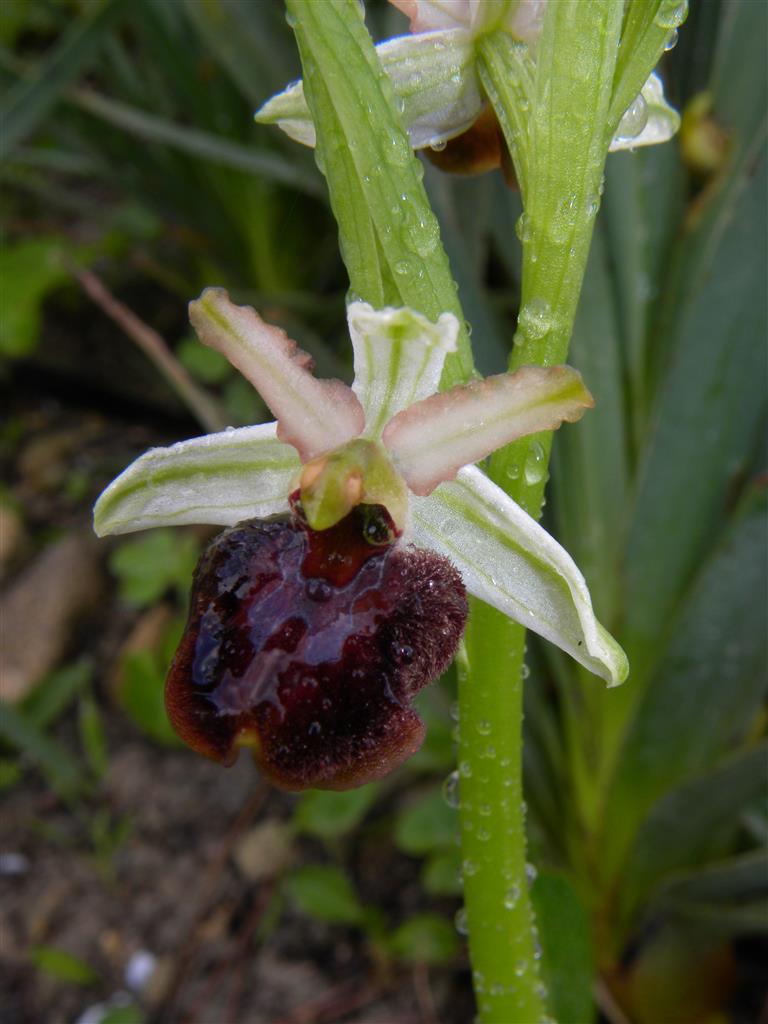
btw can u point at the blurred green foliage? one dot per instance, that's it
(325, 892)
(155, 563)
(329, 815)
(62, 965)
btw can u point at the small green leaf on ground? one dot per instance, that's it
(54, 694)
(425, 939)
(151, 565)
(204, 363)
(442, 873)
(142, 694)
(92, 735)
(327, 815)
(62, 965)
(325, 893)
(29, 271)
(62, 771)
(10, 773)
(430, 824)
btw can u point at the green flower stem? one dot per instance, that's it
(499, 918)
(560, 160)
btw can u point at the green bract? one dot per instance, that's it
(390, 439)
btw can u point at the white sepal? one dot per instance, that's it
(289, 111)
(431, 440)
(313, 415)
(219, 479)
(436, 83)
(399, 356)
(512, 563)
(649, 119)
(434, 79)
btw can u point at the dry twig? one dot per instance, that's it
(200, 404)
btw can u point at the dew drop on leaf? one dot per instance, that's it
(535, 466)
(671, 13)
(451, 790)
(511, 897)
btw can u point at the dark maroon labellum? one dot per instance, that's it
(309, 647)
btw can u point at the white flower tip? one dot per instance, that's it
(610, 657)
(289, 111)
(403, 324)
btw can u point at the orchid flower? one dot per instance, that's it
(434, 75)
(389, 462)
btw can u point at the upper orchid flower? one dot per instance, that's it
(308, 636)
(437, 86)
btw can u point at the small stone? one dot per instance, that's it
(12, 538)
(40, 608)
(265, 851)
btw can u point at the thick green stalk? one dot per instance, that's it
(561, 159)
(499, 918)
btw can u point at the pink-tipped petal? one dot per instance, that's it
(426, 15)
(430, 441)
(313, 415)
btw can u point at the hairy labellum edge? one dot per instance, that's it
(309, 646)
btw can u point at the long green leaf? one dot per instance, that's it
(694, 822)
(28, 102)
(643, 208)
(217, 149)
(60, 768)
(254, 47)
(699, 443)
(738, 880)
(709, 345)
(566, 947)
(55, 693)
(709, 685)
(590, 470)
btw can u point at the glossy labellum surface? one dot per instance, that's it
(308, 646)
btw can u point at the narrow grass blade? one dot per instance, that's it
(29, 101)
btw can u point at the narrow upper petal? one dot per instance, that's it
(313, 415)
(512, 563)
(426, 15)
(399, 356)
(220, 478)
(433, 439)
(434, 79)
(524, 20)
